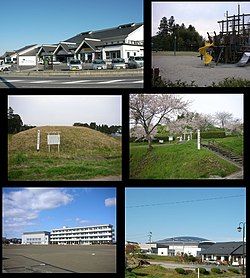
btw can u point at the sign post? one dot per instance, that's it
(54, 139)
(38, 140)
(198, 139)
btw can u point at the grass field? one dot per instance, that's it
(233, 144)
(156, 271)
(59, 258)
(84, 154)
(177, 161)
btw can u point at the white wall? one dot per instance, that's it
(162, 251)
(186, 249)
(44, 239)
(137, 35)
(27, 60)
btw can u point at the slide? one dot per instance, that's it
(244, 59)
(206, 57)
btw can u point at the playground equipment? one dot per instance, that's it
(232, 44)
(203, 51)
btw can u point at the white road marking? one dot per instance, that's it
(78, 81)
(15, 80)
(41, 81)
(139, 81)
(110, 81)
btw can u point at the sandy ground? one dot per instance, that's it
(59, 259)
(189, 68)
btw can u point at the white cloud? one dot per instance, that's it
(21, 207)
(81, 221)
(109, 202)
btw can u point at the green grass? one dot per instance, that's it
(233, 144)
(157, 271)
(32, 166)
(177, 161)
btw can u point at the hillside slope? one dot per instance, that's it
(84, 154)
(72, 139)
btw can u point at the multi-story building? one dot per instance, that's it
(98, 234)
(41, 237)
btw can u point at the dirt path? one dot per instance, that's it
(191, 68)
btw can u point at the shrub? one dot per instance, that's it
(216, 270)
(180, 270)
(211, 134)
(232, 82)
(234, 270)
(202, 271)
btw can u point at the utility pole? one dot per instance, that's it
(150, 239)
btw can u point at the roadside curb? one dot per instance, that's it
(75, 74)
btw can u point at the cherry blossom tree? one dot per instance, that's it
(150, 110)
(235, 125)
(223, 118)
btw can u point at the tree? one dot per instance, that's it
(92, 125)
(10, 113)
(15, 122)
(223, 118)
(150, 110)
(163, 27)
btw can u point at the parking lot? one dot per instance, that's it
(59, 259)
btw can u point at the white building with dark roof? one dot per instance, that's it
(122, 41)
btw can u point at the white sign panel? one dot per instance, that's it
(27, 60)
(53, 139)
(170, 138)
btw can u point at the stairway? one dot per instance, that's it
(227, 154)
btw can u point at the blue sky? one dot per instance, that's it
(36, 209)
(50, 21)
(215, 219)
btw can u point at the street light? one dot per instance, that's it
(243, 240)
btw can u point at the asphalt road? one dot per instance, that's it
(188, 266)
(71, 82)
(59, 259)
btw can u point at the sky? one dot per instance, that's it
(43, 209)
(202, 15)
(214, 219)
(28, 22)
(67, 110)
(212, 103)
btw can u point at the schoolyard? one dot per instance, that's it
(59, 258)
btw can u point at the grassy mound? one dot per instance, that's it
(177, 161)
(84, 153)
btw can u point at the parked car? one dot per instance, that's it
(75, 65)
(136, 62)
(4, 67)
(99, 64)
(212, 261)
(118, 63)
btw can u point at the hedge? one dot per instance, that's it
(210, 134)
(202, 271)
(234, 270)
(180, 270)
(216, 270)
